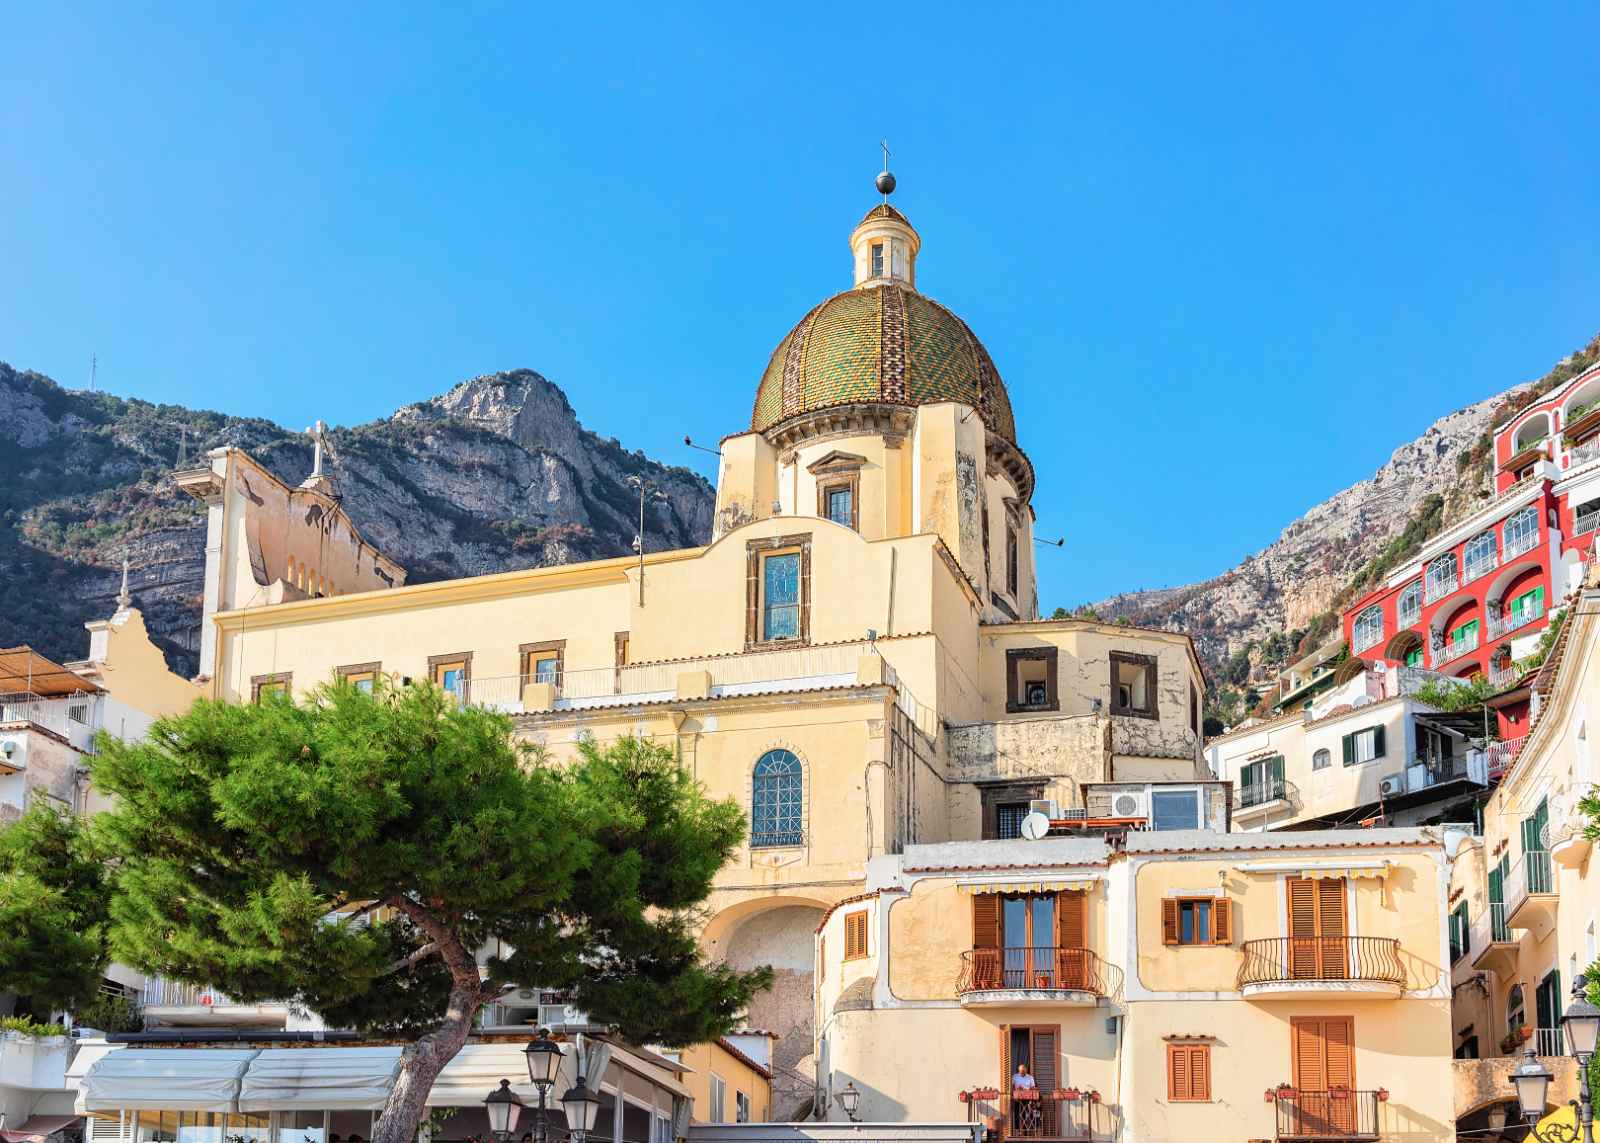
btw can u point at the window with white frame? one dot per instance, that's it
(1480, 556)
(1367, 630)
(741, 1107)
(1521, 531)
(1175, 809)
(1363, 745)
(1321, 760)
(1408, 610)
(1442, 579)
(715, 1113)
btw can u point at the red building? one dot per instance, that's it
(1478, 596)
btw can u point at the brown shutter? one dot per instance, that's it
(1302, 929)
(822, 959)
(1169, 921)
(986, 940)
(1331, 927)
(1310, 1055)
(1177, 1072)
(1200, 1070)
(1046, 1073)
(1072, 939)
(1222, 921)
(1338, 1035)
(855, 934)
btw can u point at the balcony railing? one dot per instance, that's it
(1585, 521)
(1262, 793)
(1549, 1042)
(1517, 618)
(1499, 930)
(1437, 587)
(1277, 960)
(1043, 969)
(1521, 542)
(1059, 1114)
(1456, 648)
(1584, 452)
(1532, 875)
(1320, 1115)
(1476, 566)
(1502, 754)
(159, 992)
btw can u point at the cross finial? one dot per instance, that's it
(316, 432)
(124, 600)
(884, 143)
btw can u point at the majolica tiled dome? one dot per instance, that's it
(884, 344)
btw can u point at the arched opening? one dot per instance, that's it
(1455, 633)
(1530, 433)
(1579, 405)
(1405, 648)
(779, 931)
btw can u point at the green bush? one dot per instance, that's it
(111, 1013)
(26, 1026)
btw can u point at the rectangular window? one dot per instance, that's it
(1008, 819)
(362, 676)
(451, 672)
(841, 506)
(855, 935)
(1414, 657)
(542, 662)
(1175, 809)
(276, 684)
(1031, 680)
(1363, 746)
(741, 1107)
(1261, 781)
(1015, 795)
(1189, 1073)
(1013, 575)
(1133, 684)
(716, 1113)
(778, 590)
(1527, 607)
(1458, 932)
(877, 259)
(1196, 921)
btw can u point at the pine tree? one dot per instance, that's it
(430, 834)
(52, 911)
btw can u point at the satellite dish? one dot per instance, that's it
(1035, 825)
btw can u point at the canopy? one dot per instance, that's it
(171, 1079)
(35, 1129)
(24, 670)
(337, 1079)
(1057, 885)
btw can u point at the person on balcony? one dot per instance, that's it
(1025, 1116)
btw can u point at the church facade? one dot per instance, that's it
(856, 656)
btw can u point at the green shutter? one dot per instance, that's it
(1275, 766)
(1377, 743)
(1414, 657)
(1349, 741)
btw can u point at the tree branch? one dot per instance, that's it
(411, 961)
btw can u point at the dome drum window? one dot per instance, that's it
(777, 800)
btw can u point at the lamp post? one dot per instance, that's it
(544, 1061)
(1531, 1079)
(505, 1108)
(850, 1100)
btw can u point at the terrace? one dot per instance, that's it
(1342, 965)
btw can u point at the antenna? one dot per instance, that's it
(1061, 543)
(94, 368)
(702, 448)
(647, 489)
(183, 445)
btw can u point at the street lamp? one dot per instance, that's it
(580, 1106)
(504, 1107)
(544, 1061)
(850, 1100)
(1581, 1023)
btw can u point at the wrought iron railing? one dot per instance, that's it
(1435, 588)
(1340, 1113)
(1502, 754)
(1279, 959)
(1499, 930)
(160, 992)
(1584, 452)
(1585, 521)
(1533, 874)
(1549, 1042)
(1455, 648)
(1060, 1114)
(1040, 969)
(1514, 619)
(1260, 793)
(1474, 566)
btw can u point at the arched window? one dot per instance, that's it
(1522, 531)
(1367, 628)
(1408, 611)
(1480, 555)
(777, 786)
(1442, 576)
(1321, 760)
(1515, 1018)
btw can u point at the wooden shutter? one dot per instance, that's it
(1310, 1054)
(1302, 929)
(1188, 1072)
(855, 934)
(1331, 928)
(1169, 921)
(986, 930)
(1222, 921)
(1177, 1072)
(1072, 939)
(1046, 1073)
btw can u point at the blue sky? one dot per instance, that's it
(1226, 258)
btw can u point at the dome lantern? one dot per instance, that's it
(885, 247)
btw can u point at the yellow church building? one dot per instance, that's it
(977, 838)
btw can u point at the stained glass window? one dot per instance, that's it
(780, 596)
(775, 800)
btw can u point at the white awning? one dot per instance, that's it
(1030, 885)
(172, 1079)
(1352, 869)
(335, 1079)
(478, 1069)
(89, 1053)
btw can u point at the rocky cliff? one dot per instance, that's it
(1285, 598)
(493, 475)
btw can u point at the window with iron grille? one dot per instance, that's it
(1008, 818)
(1522, 530)
(778, 784)
(1409, 609)
(1442, 578)
(1481, 555)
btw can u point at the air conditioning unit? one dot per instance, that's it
(526, 994)
(1128, 804)
(1392, 786)
(552, 1014)
(1045, 806)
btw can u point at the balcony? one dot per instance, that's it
(1437, 587)
(1586, 521)
(1263, 797)
(1448, 652)
(173, 1002)
(1516, 619)
(1022, 976)
(1584, 452)
(1531, 894)
(1324, 1115)
(1064, 1113)
(1500, 755)
(1346, 966)
(1477, 566)
(1524, 541)
(67, 717)
(1492, 946)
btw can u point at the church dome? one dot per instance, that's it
(881, 343)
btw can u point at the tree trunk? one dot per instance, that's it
(421, 1064)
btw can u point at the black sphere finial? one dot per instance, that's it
(885, 183)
